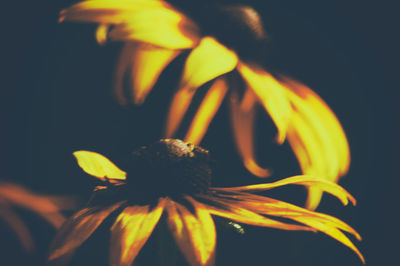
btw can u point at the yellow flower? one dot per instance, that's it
(155, 32)
(48, 207)
(174, 177)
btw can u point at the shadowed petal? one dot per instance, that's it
(131, 230)
(41, 205)
(194, 234)
(304, 180)
(16, 224)
(316, 137)
(271, 94)
(243, 129)
(206, 112)
(153, 22)
(78, 229)
(99, 166)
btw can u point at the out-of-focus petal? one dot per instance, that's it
(16, 224)
(209, 106)
(131, 230)
(78, 229)
(41, 205)
(316, 137)
(177, 110)
(233, 211)
(194, 234)
(145, 63)
(307, 181)
(242, 123)
(271, 94)
(210, 59)
(207, 61)
(101, 33)
(154, 22)
(99, 166)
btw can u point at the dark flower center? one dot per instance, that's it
(169, 167)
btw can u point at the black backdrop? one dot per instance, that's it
(56, 98)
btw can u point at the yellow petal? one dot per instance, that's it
(271, 94)
(78, 229)
(194, 234)
(207, 61)
(307, 181)
(131, 230)
(101, 33)
(145, 64)
(99, 166)
(153, 22)
(332, 232)
(206, 112)
(242, 122)
(177, 110)
(316, 137)
(17, 225)
(233, 211)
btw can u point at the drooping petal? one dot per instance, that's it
(206, 112)
(99, 166)
(231, 210)
(207, 61)
(145, 64)
(154, 22)
(316, 137)
(271, 94)
(210, 59)
(39, 204)
(242, 123)
(16, 224)
(304, 180)
(194, 234)
(78, 229)
(131, 230)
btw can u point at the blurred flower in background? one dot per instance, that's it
(174, 177)
(156, 32)
(48, 207)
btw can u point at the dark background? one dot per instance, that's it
(56, 98)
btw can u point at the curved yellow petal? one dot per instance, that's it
(317, 138)
(242, 123)
(207, 61)
(78, 229)
(99, 166)
(145, 64)
(101, 33)
(209, 106)
(154, 22)
(319, 221)
(194, 234)
(271, 94)
(131, 230)
(307, 181)
(233, 211)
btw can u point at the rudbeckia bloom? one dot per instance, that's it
(171, 179)
(48, 207)
(155, 33)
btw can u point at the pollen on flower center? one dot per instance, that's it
(169, 167)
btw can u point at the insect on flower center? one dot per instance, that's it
(170, 167)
